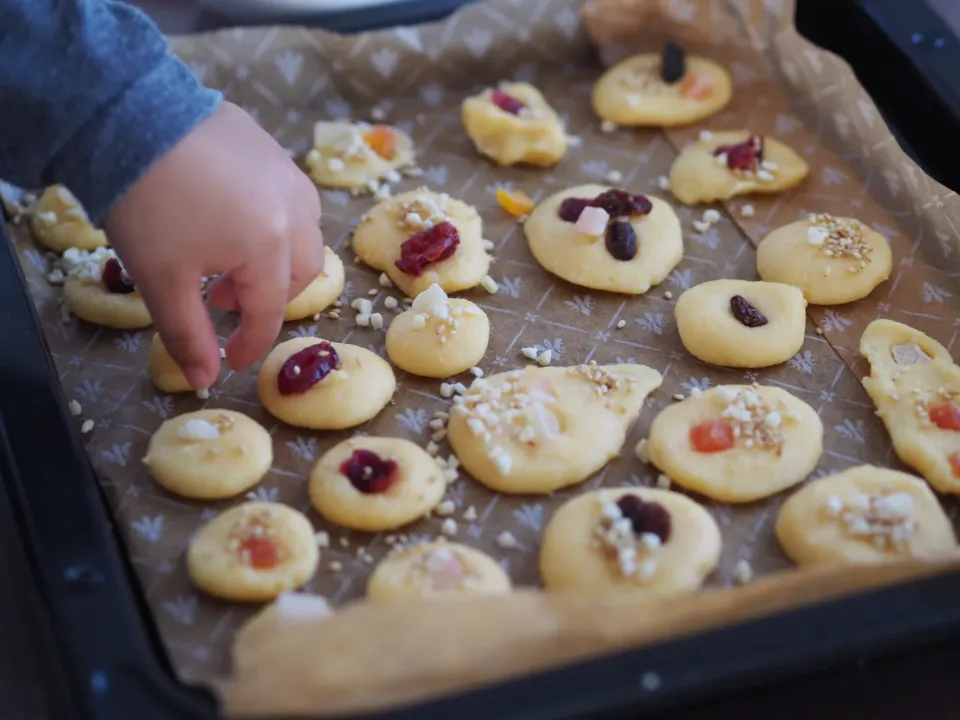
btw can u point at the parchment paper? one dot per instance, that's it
(289, 78)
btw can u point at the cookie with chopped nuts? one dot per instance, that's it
(539, 429)
(321, 292)
(375, 483)
(209, 454)
(741, 323)
(98, 290)
(422, 237)
(737, 443)
(621, 540)
(513, 124)
(253, 552)
(357, 156)
(311, 383)
(915, 386)
(721, 165)
(439, 336)
(437, 569)
(59, 222)
(605, 238)
(833, 260)
(864, 515)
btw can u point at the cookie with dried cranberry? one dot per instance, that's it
(420, 238)
(721, 165)
(321, 292)
(513, 124)
(357, 156)
(638, 540)
(59, 222)
(741, 323)
(605, 238)
(864, 514)
(737, 443)
(375, 483)
(436, 570)
(661, 90)
(311, 383)
(99, 291)
(253, 552)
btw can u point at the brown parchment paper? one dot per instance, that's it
(289, 78)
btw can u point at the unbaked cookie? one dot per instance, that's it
(209, 454)
(99, 291)
(661, 90)
(741, 323)
(916, 387)
(864, 515)
(438, 336)
(436, 570)
(833, 260)
(737, 443)
(253, 552)
(721, 165)
(59, 222)
(321, 292)
(513, 124)
(311, 383)
(629, 540)
(605, 238)
(376, 483)
(422, 237)
(163, 370)
(539, 429)
(357, 156)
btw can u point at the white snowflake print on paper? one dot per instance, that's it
(802, 361)
(303, 331)
(338, 109)
(582, 305)
(842, 123)
(602, 336)
(161, 405)
(751, 377)
(892, 180)
(597, 168)
(384, 61)
(36, 259)
(530, 516)
(556, 347)
(568, 20)
(826, 396)
(651, 322)
(183, 609)
(436, 174)
(683, 10)
(337, 197)
(264, 494)
(499, 360)
(625, 360)
(431, 94)
(475, 531)
(934, 293)
(414, 420)
(832, 176)
(90, 390)
(130, 342)
(852, 430)
(787, 124)
(682, 279)
(478, 41)
(709, 239)
(511, 286)
(208, 514)
(149, 528)
(288, 65)
(303, 448)
(531, 318)
(199, 70)
(835, 322)
(118, 454)
(693, 383)
(65, 331)
(868, 111)
(409, 36)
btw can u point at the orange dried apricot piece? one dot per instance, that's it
(262, 551)
(711, 436)
(515, 202)
(696, 87)
(945, 416)
(382, 140)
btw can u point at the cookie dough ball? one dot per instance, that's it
(513, 124)
(59, 222)
(311, 383)
(663, 90)
(209, 454)
(539, 429)
(737, 443)
(253, 552)
(164, 372)
(832, 260)
(321, 292)
(376, 483)
(356, 156)
(741, 323)
(637, 540)
(400, 235)
(99, 291)
(864, 515)
(289, 609)
(721, 165)
(438, 336)
(915, 386)
(624, 254)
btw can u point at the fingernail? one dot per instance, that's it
(198, 376)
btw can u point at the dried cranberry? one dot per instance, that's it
(115, 279)
(616, 203)
(744, 311)
(506, 102)
(672, 63)
(743, 156)
(368, 472)
(306, 368)
(571, 208)
(621, 240)
(646, 517)
(428, 246)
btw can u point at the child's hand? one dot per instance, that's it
(224, 200)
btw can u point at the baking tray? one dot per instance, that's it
(108, 663)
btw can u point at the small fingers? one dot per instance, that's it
(306, 251)
(221, 295)
(261, 290)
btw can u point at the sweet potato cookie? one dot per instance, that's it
(99, 291)
(59, 222)
(321, 292)
(357, 156)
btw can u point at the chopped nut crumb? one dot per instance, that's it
(748, 210)
(87, 426)
(372, 291)
(476, 372)
(663, 482)
(544, 358)
(641, 451)
(75, 408)
(376, 321)
(711, 216)
(336, 566)
(678, 396)
(490, 285)
(742, 572)
(663, 182)
(445, 509)
(390, 302)
(506, 540)
(449, 527)
(470, 514)
(754, 420)
(323, 539)
(203, 393)
(432, 448)
(446, 390)
(819, 331)
(838, 238)
(888, 521)
(607, 126)
(621, 324)
(530, 352)
(668, 295)
(385, 281)
(488, 245)
(614, 177)
(362, 320)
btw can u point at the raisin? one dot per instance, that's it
(672, 63)
(746, 313)
(616, 203)
(115, 279)
(646, 517)
(428, 246)
(571, 208)
(621, 240)
(506, 102)
(368, 472)
(306, 368)
(747, 155)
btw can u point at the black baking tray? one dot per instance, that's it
(107, 663)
